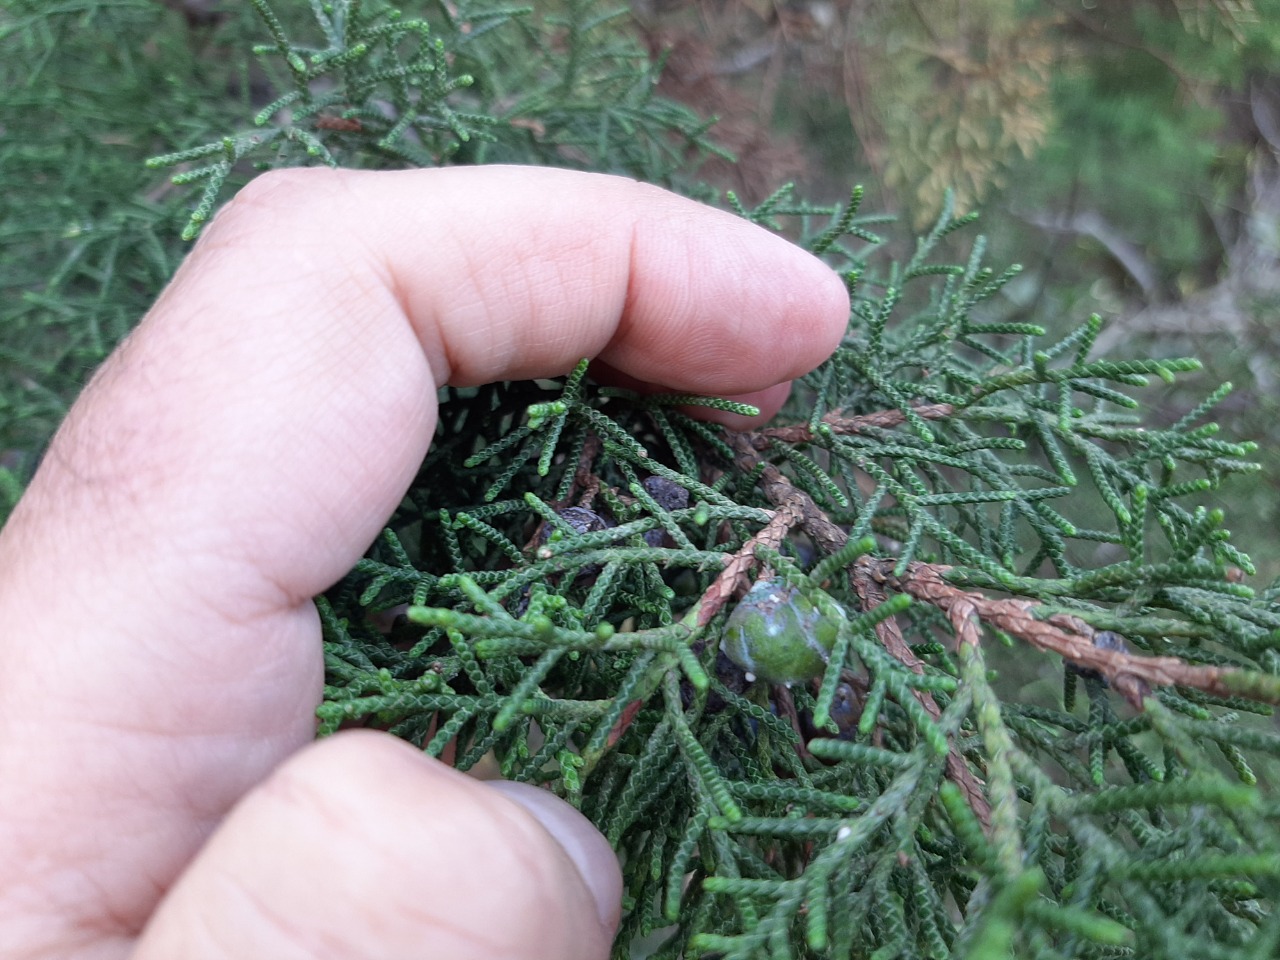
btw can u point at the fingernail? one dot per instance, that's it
(585, 845)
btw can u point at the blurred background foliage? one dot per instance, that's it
(1124, 152)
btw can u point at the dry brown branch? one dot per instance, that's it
(784, 494)
(1072, 639)
(583, 477)
(839, 423)
(871, 593)
(735, 569)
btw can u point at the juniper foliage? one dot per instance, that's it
(965, 505)
(942, 490)
(87, 239)
(476, 82)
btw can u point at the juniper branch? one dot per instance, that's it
(1074, 640)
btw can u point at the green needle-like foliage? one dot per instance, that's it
(1040, 724)
(364, 85)
(545, 611)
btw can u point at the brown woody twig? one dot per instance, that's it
(1132, 675)
(839, 423)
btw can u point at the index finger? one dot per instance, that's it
(246, 444)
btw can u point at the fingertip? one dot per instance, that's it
(724, 306)
(834, 306)
(360, 846)
(585, 846)
(822, 312)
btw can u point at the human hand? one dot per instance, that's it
(160, 661)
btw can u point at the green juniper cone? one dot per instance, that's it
(954, 516)
(776, 634)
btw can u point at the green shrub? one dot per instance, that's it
(1040, 728)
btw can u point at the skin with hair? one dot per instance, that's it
(160, 659)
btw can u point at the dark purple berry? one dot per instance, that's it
(581, 519)
(669, 496)
(1103, 640)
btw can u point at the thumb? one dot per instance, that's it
(359, 846)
